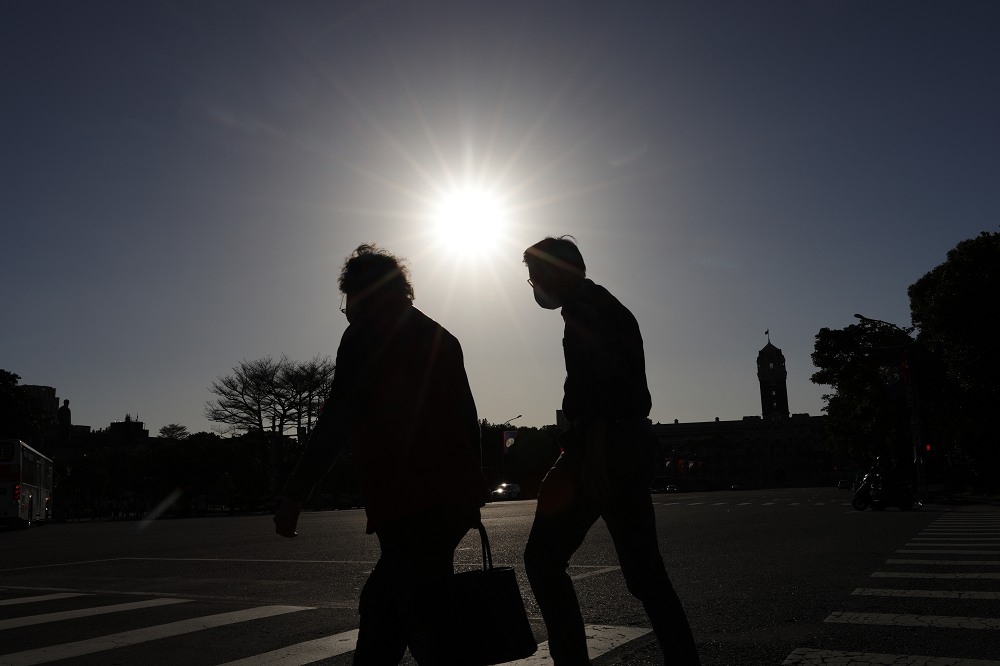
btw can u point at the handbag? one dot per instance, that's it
(491, 619)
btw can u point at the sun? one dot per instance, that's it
(467, 221)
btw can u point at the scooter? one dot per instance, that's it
(873, 493)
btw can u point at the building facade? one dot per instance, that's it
(774, 449)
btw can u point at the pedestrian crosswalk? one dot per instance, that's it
(958, 556)
(155, 635)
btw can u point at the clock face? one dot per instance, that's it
(509, 443)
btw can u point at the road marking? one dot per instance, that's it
(101, 643)
(955, 538)
(957, 576)
(600, 639)
(950, 552)
(30, 620)
(40, 597)
(953, 545)
(925, 594)
(349, 605)
(794, 503)
(304, 653)
(987, 563)
(743, 504)
(595, 572)
(695, 503)
(719, 503)
(61, 564)
(767, 504)
(906, 620)
(810, 657)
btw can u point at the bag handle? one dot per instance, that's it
(487, 552)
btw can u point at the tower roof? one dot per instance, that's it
(769, 350)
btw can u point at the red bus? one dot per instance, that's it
(25, 484)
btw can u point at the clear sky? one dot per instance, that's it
(181, 181)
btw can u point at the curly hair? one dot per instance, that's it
(371, 268)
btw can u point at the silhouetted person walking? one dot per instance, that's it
(602, 472)
(401, 402)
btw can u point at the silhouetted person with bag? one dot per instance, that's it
(400, 402)
(603, 471)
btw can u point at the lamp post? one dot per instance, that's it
(503, 451)
(911, 395)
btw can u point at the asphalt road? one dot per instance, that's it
(767, 577)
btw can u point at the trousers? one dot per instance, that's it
(404, 601)
(563, 516)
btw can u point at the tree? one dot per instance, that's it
(308, 385)
(866, 364)
(175, 432)
(955, 307)
(20, 417)
(270, 396)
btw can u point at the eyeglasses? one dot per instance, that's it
(530, 283)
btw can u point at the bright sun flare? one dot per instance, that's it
(468, 221)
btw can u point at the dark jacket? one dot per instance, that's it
(401, 400)
(605, 364)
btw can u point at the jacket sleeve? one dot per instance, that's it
(333, 429)
(468, 407)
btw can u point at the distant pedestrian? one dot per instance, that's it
(64, 419)
(401, 404)
(602, 472)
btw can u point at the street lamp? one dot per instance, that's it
(503, 453)
(911, 394)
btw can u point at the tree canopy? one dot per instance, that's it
(267, 395)
(20, 416)
(946, 376)
(955, 308)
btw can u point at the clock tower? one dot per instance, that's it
(773, 377)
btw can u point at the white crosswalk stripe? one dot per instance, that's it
(960, 537)
(135, 636)
(304, 653)
(601, 639)
(40, 597)
(86, 612)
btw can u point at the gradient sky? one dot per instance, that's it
(181, 181)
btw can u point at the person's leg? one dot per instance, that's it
(563, 516)
(431, 551)
(381, 639)
(632, 524)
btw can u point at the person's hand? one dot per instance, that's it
(287, 517)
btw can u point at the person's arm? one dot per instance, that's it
(326, 441)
